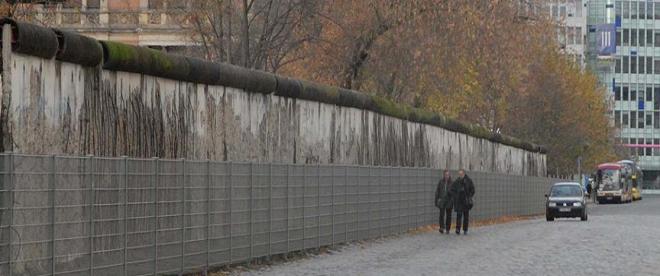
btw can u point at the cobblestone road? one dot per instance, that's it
(617, 240)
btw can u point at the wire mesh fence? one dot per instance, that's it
(63, 215)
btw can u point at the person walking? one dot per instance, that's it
(462, 191)
(443, 202)
(596, 187)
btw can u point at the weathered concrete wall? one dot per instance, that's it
(64, 108)
(49, 106)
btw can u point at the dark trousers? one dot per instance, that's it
(463, 217)
(445, 219)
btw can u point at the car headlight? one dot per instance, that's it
(577, 204)
(552, 204)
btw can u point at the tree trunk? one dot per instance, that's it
(245, 35)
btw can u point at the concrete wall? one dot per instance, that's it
(64, 108)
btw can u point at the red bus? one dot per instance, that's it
(614, 185)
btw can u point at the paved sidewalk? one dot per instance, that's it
(617, 240)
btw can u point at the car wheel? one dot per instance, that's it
(549, 218)
(584, 217)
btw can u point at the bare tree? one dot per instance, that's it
(261, 34)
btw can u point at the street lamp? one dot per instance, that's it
(583, 148)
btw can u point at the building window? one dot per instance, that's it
(656, 66)
(649, 94)
(571, 35)
(642, 10)
(642, 40)
(633, 37)
(578, 7)
(648, 150)
(578, 35)
(649, 119)
(618, 38)
(626, 37)
(656, 97)
(640, 119)
(625, 64)
(656, 151)
(555, 11)
(649, 10)
(641, 66)
(633, 65)
(626, 10)
(562, 11)
(624, 93)
(656, 121)
(649, 65)
(156, 4)
(617, 118)
(617, 93)
(633, 10)
(649, 37)
(624, 119)
(617, 8)
(617, 66)
(633, 95)
(93, 4)
(633, 119)
(657, 11)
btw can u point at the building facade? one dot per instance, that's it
(571, 16)
(632, 76)
(152, 23)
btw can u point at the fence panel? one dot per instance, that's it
(64, 215)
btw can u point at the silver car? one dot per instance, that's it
(566, 200)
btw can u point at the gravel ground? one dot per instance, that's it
(617, 240)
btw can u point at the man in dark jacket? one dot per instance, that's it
(462, 191)
(443, 202)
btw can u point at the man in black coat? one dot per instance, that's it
(443, 202)
(462, 191)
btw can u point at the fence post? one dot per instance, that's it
(229, 198)
(156, 213)
(208, 217)
(370, 201)
(270, 210)
(51, 211)
(332, 203)
(346, 204)
(124, 162)
(92, 200)
(288, 179)
(251, 215)
(10, 156)
(304, 193)
(183, 215)
(318, 206)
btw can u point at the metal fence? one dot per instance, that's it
(122, 216)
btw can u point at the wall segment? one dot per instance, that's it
(111, 99)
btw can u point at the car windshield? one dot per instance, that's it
(566, 191)
(610, 180)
